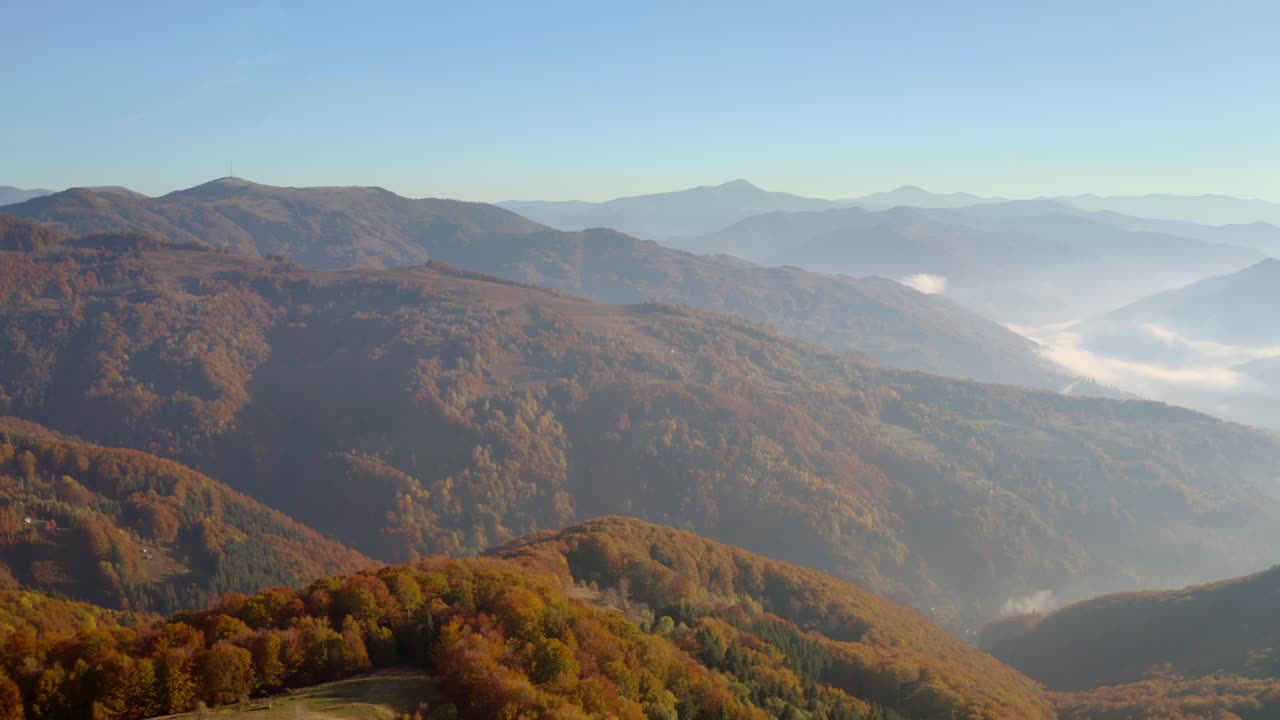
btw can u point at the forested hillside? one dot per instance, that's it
(129, 530)
(1156, 654)
(507, 638)
(344, 228)
(430, 410)
(735, 609)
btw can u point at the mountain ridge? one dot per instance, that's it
(459, 410)
(331, 228)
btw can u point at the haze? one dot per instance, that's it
(827, 361)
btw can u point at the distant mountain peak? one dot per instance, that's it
(220, 186)
(739, 184)
(910, 189)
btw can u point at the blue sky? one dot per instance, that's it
(590, 100)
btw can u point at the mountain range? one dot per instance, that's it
(344, 228)
(682, 213)
(238, 421)
(426, 410)
(707, 209)
(1025, 262)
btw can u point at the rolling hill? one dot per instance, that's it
(122, 528)
(744, 637)
(1194, 651)
(425, 410)
(343, 228)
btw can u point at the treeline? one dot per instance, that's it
(500, 640)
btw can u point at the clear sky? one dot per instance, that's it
(591, 100)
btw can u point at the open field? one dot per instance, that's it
(381, 696)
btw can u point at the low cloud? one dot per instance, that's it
(1065, 346)
(1042, 602)
(1209, 350)
(926, 283)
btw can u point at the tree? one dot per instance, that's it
(226, 673)
(267, 663)
(10, 699)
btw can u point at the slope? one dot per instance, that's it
(332, 228)
(427, 410)
(125, 529)
(730, 606)
(507, 638)
(1237, 309)
(1205, 345)
(1195, 650)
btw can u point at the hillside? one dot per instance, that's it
(660, 216)
(431, 410)
(736, 604)
(1212, 645)
(125, 529)
(1207, 345)
(1237, 309)
(342, 228)
(503, 638)
(1025, 262)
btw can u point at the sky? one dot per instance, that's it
(592, 100)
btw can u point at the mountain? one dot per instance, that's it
(912, 196)
(1261, 236)
(1202, 209)
(10, 195)
(1198, 650)
(527, 635)
(1237, 309)
(683, 213)
(332, 228)
(1196, 345)
(1025, 262)
(126, 529)
(320, 227)
(433, 410)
